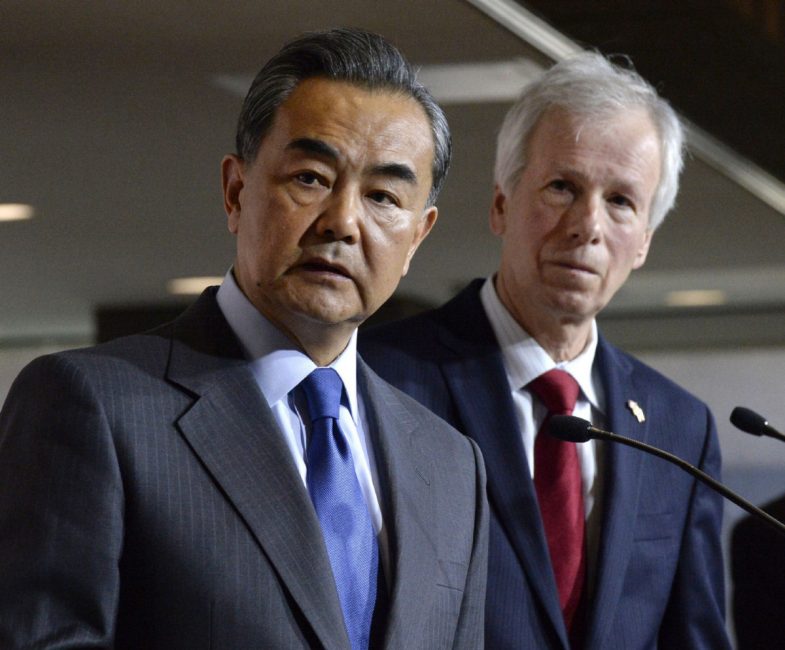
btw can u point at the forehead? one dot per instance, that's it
(622, 141)
(358, 122)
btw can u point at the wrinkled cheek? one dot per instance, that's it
(385, 275)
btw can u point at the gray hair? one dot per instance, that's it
(351, 55)
(590, 86)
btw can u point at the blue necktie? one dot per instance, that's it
(338, 500)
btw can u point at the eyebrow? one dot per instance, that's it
(324, 150)
(625, 185)
(396, 170)
(311, 145)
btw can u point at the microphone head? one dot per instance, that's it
(748, 420)
(569, 428)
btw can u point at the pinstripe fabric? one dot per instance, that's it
(147, 501)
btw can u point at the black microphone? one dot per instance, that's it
(573, 429)
(749, 421)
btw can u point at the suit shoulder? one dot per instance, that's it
(458, 324)
(409, 336)
(147, 352)
(750, 530)
(140, 350)
(440, 432)
(675, 419)
(95, 366)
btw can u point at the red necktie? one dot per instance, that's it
(557, 479)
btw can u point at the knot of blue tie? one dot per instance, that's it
(323, 391)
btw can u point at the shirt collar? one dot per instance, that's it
(524, 359)
(276, 362)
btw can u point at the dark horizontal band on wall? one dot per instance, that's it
(691, 328)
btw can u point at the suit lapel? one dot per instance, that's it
(622, 466)
(232, 430)
(408, 507)
(478, 383)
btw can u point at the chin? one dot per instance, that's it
(576, 308)
(331, 315)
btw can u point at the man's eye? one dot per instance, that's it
(559, 185)
(621, 201)
(382, 197)
(307, 178)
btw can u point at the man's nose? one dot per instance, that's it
(583, 221)
(340, 217)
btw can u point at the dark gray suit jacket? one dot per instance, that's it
(147, 500)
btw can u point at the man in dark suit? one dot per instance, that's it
(591, 546)
(239, 478)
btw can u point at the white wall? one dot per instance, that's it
(746, 377)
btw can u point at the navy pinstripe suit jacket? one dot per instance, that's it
(659, 574)
(147, 500)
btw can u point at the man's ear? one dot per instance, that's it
(498, 216)
(233, 180)
(423, 228)
(643, 250)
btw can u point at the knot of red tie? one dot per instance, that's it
(558, 390)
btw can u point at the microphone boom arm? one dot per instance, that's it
(692, 470)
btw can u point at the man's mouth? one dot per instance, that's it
(575, 266)
(319, 265)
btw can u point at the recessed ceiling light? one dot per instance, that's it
(696, 298)
(476, 82)
(15, 211)
(192, 286)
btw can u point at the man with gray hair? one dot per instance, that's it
(239, 478)
(591, 546)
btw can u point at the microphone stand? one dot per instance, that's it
(574, 429)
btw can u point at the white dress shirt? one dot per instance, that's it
(525, 360)
(279, 366)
